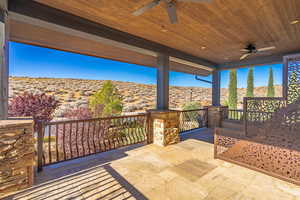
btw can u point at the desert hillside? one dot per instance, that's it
(136, 97)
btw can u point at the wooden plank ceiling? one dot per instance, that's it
(214, 31)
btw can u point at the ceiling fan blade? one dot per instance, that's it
(196, 1)
(146, 7)
(266, 49)
(262, 53)
(244, 50)
(244, 56)
(171, 9)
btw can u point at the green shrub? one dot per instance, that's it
(225, 103)
(106, 102)
(193, 105)
(52, 139)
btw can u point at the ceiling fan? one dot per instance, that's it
(251, 49)
(170, 7)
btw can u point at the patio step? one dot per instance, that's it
(237, 125)
(232, 131)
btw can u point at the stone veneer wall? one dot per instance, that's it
(165, 127)
(17, 155)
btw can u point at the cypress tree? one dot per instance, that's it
(250, 83)
(232, 96)
(271, 89)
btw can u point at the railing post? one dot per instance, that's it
(149, 128)
(216, 114)
(245, 101)
(180, 121)
(164, 127)
(206, 114)
(40, 137)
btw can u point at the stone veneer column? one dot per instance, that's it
(164, 127)
(17, 155)
(215, 115)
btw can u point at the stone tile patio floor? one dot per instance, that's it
(184, 171)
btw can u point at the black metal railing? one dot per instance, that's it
(192, 119)
(236, 114)
(65, 140)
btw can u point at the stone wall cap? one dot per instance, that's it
(15, 122)
(162, 111)
(215, 106)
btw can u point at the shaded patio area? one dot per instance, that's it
(185, 170)
(203, 134)
(206, 39)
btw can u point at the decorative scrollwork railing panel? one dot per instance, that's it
(292, 78)
(192, 119)
(258, 110)
(65, 140)
(273, 155)
(263, 104)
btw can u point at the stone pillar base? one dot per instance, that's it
(215, 115)
(164, 127)
(17, 154)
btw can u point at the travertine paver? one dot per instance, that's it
(183, 171)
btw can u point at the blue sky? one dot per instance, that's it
(32, 61)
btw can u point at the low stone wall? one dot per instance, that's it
(17, 155)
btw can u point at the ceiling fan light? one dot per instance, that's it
(296, 21)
